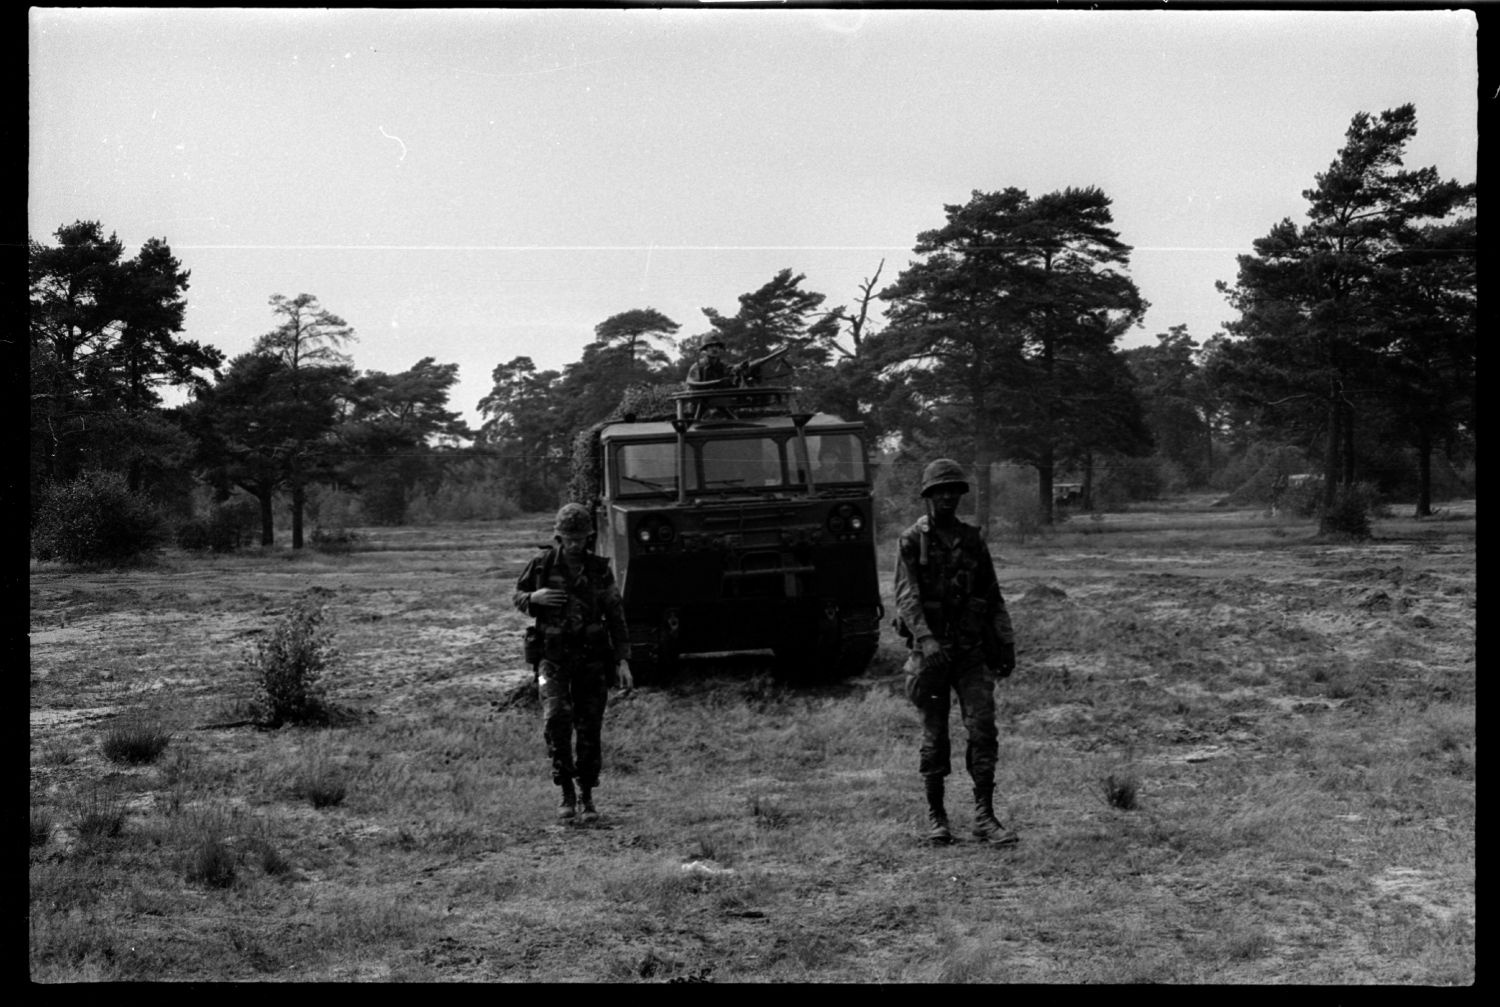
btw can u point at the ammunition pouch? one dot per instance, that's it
(560, 646)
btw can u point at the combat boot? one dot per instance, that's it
(937, 817)
(586, 812)
(568, 809)
(986, 826)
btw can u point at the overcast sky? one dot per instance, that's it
(476, 186)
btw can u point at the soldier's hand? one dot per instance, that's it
(1006, 661)
(548, 597)
(933, 657)
(623, 679)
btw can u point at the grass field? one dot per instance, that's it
(1294, 719)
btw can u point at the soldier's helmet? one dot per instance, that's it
(574, 519)
(944, 472)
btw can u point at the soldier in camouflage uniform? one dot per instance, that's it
(954, 619)
(709, 370)
(584, 642)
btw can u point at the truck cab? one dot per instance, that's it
(740, 524)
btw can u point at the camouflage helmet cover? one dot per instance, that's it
(574, 519)
(944, 472)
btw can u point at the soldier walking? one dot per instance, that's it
(584, 643)
(954, 619)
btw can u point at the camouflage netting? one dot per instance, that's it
(643, 402)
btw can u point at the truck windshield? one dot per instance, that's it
(836, 458)
(651, 468)
(741, 461)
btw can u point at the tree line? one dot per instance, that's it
(1353, 352)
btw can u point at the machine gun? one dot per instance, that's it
(749, 373)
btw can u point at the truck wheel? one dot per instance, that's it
(855, 656)
(648, 666)
(796, 664)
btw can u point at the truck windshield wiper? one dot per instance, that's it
(652, 484)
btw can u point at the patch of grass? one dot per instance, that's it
(42, 824)
(210, 862)
(320, 779)
(324, 790)
(56, 752)
(98, 812)
(768, 813)
(1240, 942)
(135, 741)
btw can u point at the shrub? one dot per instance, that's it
(1351, 511)
(289, 667)
(57, 753)
(211, 862)
(41, 827)
(98, 813)
(334, 540)
(272, 861)
(1014, 499)
(94, 519)
(193, 535)
(1303, 498)
(224, 529)
(323, 787)
(135, 742)
(1121, 480)
(1121, 790)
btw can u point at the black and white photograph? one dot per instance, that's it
(753, 493)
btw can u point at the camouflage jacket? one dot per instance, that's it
(707, 372)
(946, 587)
(593, 617)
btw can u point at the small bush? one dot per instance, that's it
(289, 667)
(1303, 499)
(320, 780)
(211, 862)
(767, 813)
(98, 814)
(1123, 480)
(1015, 501)
(272, 861)
(225, 528)
(41, 827)
(57, 753)
(334, 540)
(325, 791)
(193, 535)
(1121, 790)
(94, 519)
(135, 742)
(1351, 511)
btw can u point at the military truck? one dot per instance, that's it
(738, 523)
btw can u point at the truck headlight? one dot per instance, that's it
(846, 520)
(655, 533)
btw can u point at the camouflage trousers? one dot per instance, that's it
(573, 695)
(974, 682)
